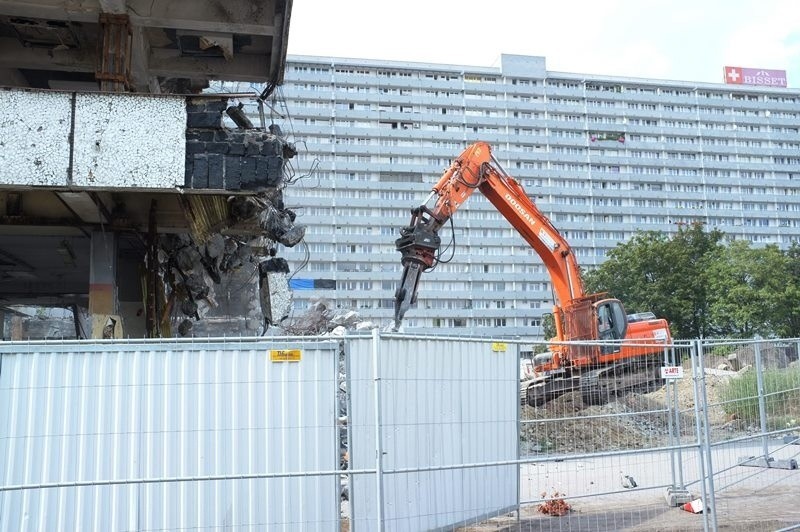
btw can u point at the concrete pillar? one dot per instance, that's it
(131, 306)
(83, 325)
(16, 328)
(103, 294)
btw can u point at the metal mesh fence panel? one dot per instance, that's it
(752, 389)
(437, 419)
(618, 461)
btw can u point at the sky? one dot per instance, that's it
(686, 40)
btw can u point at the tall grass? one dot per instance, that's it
(782, 391)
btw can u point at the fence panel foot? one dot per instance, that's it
(771, 463)
(678, 496)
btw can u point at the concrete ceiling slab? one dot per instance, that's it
(176, 45)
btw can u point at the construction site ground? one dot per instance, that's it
(638, 421)
(764, 499)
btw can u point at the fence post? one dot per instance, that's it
(376, 378)
(519, 433)
(344, 368)
(704, 435)
(677, 493)
(676, 412)
(698, 429)
(670, 427)
(762, 400)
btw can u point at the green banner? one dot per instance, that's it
(606, 135)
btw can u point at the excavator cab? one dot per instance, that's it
(612, 324)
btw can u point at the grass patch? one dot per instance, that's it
(782, 390)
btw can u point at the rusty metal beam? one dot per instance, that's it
(15, 55)
(152, 321)
(114, 53)
(232, 16)
(243, 67)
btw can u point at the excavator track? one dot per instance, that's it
(601, 385)
(542, 392)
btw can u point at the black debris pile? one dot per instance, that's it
(277, 221)
(192, 270)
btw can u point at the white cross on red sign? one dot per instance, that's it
(733, 75)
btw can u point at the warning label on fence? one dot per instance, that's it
(285, 355)
(671, 372)
(499, 347)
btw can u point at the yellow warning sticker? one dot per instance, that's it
(285, 355)
(499, 347)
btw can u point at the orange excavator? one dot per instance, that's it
(598, 349)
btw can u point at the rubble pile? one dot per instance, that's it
(191, 270)
(554, 506)
(274, 219)
(321, 319)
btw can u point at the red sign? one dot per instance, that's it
(755, 76)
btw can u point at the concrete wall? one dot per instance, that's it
(127, 140)
(120, 140)
(132, 141)
(34, 137)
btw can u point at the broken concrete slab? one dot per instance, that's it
(236, 160)
(274, 293)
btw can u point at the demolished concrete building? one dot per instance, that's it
(135, 206)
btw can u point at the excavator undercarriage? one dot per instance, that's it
(598, 385)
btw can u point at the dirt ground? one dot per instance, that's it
(638, 420)
(650, 518)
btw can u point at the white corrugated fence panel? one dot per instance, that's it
(444, 402)
(151, 415)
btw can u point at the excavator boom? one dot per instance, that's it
(477, 169)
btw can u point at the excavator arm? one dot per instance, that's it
(477, 169)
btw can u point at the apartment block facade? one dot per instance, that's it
(601, 156)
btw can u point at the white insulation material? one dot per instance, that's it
(34, 137)
(444, 402)
(120, 140)
(152, 415)
(129, 141)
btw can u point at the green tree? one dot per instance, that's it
(751, 292)
(789, 326)
(667, 276)
(691, 251)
